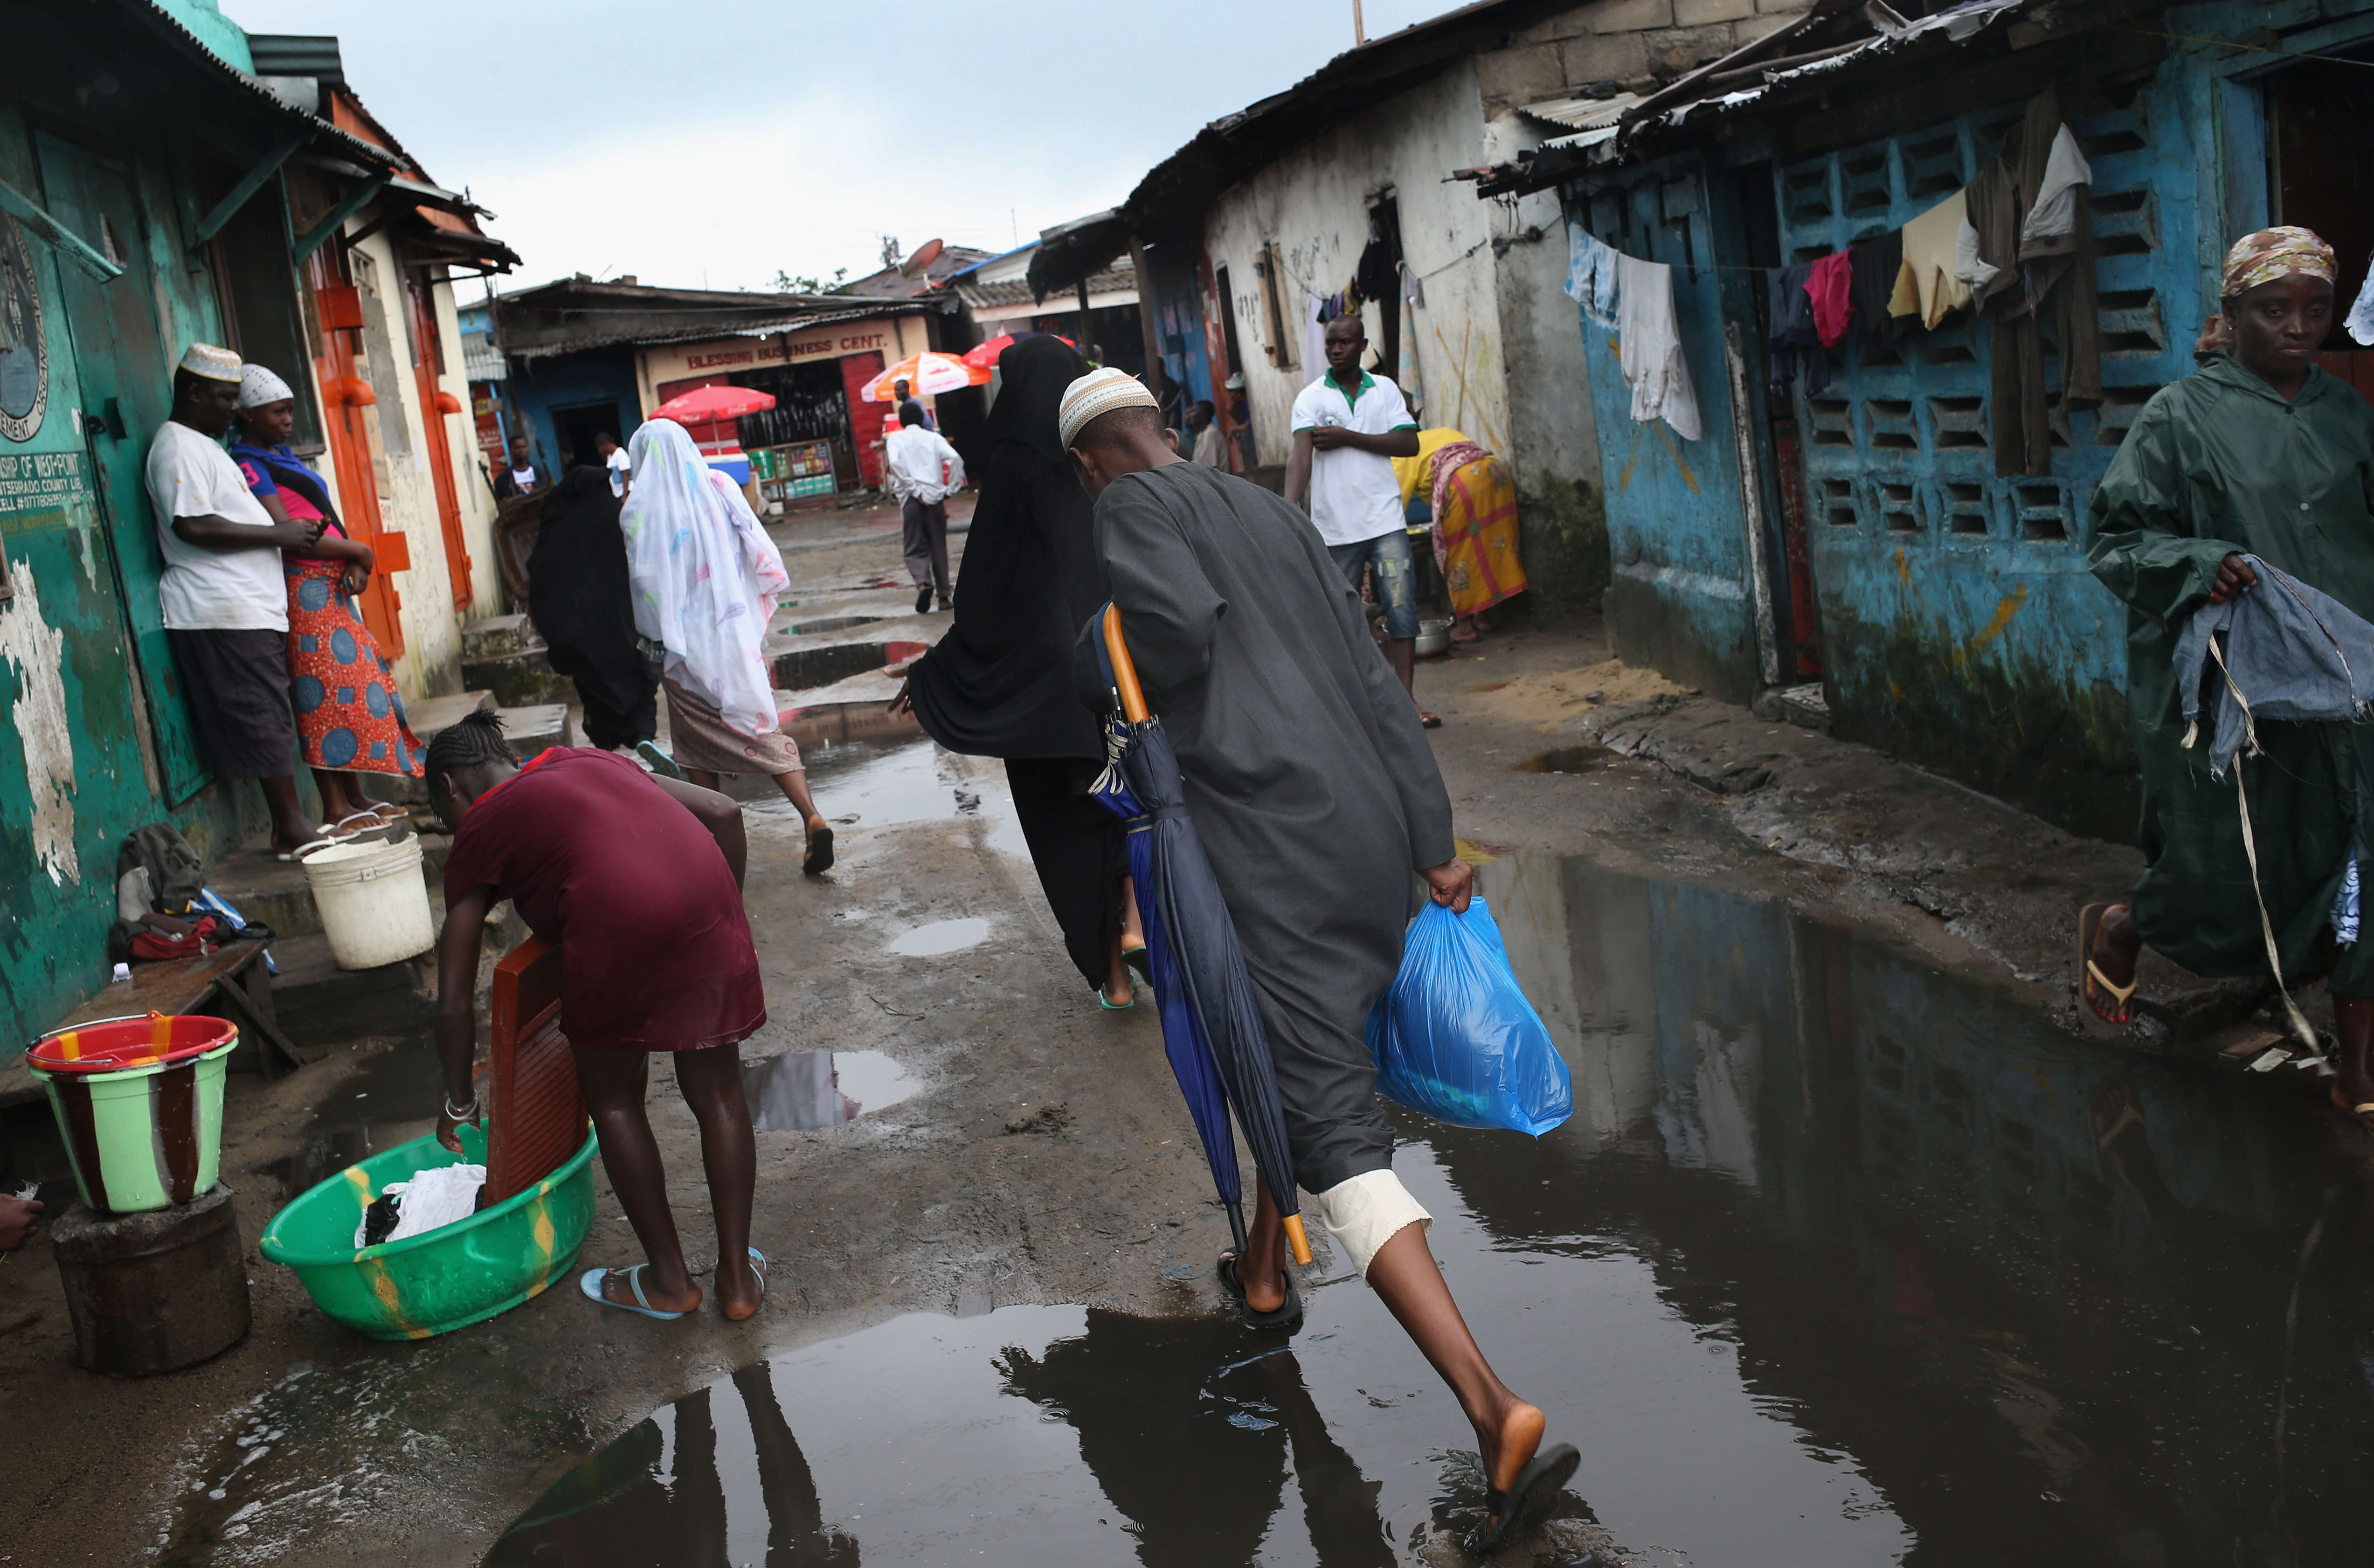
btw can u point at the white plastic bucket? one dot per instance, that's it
(374, 901)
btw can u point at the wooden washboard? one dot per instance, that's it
(535, 1113)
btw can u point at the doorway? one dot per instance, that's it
(2321, 176)
(576, 425)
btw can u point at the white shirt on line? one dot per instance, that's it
(189, 474)
(1353, 496)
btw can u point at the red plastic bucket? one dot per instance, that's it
(118, 1044)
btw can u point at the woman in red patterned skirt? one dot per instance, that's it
(350, 719)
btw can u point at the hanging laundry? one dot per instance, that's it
(1831, 287)
(1875, 262)
(1590, 275)
(1406, 374)
(1374, 275)
(2055, 212)
(1968, 265)
(1649, 342)
(1413, 286)
(1926, 285)
(2036, 275)
(1795, 345)
(2361, 315)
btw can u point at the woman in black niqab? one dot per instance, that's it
(578, 598)
(999, 683)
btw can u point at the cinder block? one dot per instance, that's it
(1512, 77)
(1626, 59)
(1699, 13)
(1632, 15)
(1571, 23)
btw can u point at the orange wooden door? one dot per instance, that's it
(345, 406)
(429, 366)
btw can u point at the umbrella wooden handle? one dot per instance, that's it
(1297, 1240)
(1133, 699)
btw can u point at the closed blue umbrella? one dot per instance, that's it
(1211, 1020)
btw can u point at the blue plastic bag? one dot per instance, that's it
(1455, 1037)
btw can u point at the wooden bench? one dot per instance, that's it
(231, 982)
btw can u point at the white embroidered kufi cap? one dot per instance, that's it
(1099, 392)
(214, 364)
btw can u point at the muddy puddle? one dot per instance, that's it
(1838, 1261)
(868, 784)
(392, 1099)
(806, 1091)
(1568, 759)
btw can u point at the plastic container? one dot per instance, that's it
(444, 1278)
(139, 1105)
(374, 901)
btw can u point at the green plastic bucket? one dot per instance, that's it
(444, 1278)
(139, 1103)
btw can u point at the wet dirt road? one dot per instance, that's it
(1838, 1261)
(1846, 1257)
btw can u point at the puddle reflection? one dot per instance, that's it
(804, 1091)
(1840, 1261)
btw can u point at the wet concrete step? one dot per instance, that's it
(517, 680)
(318, 1003)
(491, 637)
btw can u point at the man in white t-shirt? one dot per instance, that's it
(614, 457)
(224, 597)
(923, 471)
(1348, 426)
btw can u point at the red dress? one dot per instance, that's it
(655, 951)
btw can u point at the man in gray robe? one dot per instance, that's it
(1318, 803)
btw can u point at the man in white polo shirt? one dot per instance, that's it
(1348, 426)
(224, 597)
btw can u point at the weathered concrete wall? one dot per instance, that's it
(1634, 43)
(1313, 203)
(79, 769)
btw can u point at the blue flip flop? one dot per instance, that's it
(591, 1283)
(758, 1267)
(661, 762)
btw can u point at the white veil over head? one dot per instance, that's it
(705, 577)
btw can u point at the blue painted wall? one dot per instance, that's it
(1680, 599)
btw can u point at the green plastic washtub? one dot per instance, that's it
(443, 1280)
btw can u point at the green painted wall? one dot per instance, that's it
(76, 772)
(215, 31)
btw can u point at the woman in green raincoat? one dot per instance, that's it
(2262, 453)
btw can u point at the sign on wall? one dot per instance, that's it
(24, 350)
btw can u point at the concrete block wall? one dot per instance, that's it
(1638, 44)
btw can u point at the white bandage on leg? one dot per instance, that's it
(1368, 1212)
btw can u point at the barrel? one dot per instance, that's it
(150, 1293)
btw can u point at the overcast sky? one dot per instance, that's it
(718, 141)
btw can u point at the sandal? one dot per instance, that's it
(1141, 961)
(2365, 1113)
(819, 857)
(1524, 1503)
(1289, 1315)
(591, 1281)
(1428, 720)
(1111, 1006)
(2089, 925)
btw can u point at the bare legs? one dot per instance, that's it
(1119, 990)
(710, 1082)
(794, 786)
(342, 796)
(1405, 1277)
(290, 826)
(2117, 944)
